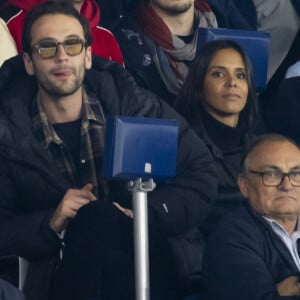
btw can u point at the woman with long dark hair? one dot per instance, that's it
(219, 101)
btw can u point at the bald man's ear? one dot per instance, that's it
(243, 185)
(28, 64)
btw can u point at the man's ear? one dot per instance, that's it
(88, 58)
(243, 185)
(28, 64)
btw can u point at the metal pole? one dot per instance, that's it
(141, 247)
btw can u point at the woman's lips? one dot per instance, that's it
(231, 96)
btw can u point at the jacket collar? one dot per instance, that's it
(274, 239)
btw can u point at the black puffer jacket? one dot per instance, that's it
(31, 186)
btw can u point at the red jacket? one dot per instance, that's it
(104, 44)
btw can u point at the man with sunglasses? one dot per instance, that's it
(52, 123)
(254, 253)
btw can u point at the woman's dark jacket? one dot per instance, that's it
(31, 186)
(244, 259)
(228, 168)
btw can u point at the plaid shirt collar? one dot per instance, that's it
(91, 111)
(92, 141)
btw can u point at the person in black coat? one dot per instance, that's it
(50, 186)
(219, 101)
(283, 113)
(285, 39)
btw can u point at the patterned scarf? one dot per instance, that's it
(169, 52)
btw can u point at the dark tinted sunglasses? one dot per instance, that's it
(48, 48)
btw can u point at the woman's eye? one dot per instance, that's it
(217, 74)
(241, 75)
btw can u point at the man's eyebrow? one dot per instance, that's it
(267, 167)
(54, 39)
(73, 36)
(46, 39)
(297, 167)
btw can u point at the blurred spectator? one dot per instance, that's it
(229, 16)
(281, 19)
(218, 99)
(7, 44)
(278, 17)
(283, 112)
(104, 44)
(159, 40)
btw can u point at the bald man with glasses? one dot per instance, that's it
(254, 253)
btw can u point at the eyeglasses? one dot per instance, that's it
(48, 48)
(275, 178)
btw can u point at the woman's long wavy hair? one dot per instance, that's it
(190, 100)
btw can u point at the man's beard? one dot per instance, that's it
(174, 10)
(56, 89)
(56, 92)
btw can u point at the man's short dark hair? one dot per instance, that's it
(52, 8)
(261, 139)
